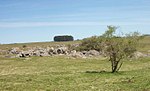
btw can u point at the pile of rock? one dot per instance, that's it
(38, 51)
(60, 50)
(139, 55)
(51, 51)
(84, 54)
(15, 50)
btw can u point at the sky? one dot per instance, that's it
(40, 20)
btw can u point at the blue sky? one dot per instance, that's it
(40, 20)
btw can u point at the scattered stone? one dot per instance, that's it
(93, 53)
(59, 50)
(76, 54)
(15, 50)
(50, 51)
(24, 54)
(139, 55)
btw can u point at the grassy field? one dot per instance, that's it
(35, 44)
(67, 74)
(144, 44)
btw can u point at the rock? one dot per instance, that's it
(85, 53)
(41, 52)
(44, 54)
(15, 50)
(139, 55)
(24, 54)
(62, 50)
(36, 53)
(77, 54)
(93, 53)
(50, 51)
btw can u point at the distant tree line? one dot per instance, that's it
(63, 38)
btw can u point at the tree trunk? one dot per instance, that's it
(119, 66)
(114, 66)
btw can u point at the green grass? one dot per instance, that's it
(144, 44)
(67, 74)
(36, 44)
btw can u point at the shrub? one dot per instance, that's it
(92, 43)
(24, 46)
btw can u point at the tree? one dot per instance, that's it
(115, 47)
(118, 48)
(63, 38)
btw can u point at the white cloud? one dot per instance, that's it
(42, 24)
(60, 16)
(46, 24)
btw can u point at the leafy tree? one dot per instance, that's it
(118, 48)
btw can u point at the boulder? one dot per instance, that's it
(139, 55)
(41, 52)
(24, 54)
(50, 50)
(15, 50)
(76, 54)
(62, 50)
(36, 53)
(93, 53)
(45, 54)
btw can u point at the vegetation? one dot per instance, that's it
(115, 47)
(63, 74)
(63, 38)
(118, 48)
(92, 43)
(36, 44)
(68, 74)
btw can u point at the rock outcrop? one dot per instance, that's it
(59, 50)
(139, 55)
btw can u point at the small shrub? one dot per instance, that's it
(24, 46)
(92, 43)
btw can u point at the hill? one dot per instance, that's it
(60, 73)
(144, 44)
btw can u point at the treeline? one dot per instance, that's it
(63, 38)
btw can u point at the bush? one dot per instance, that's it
(92, 43)
(24, 46)
(63, 38)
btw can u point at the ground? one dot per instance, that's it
(67, 74)
(59, 73)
